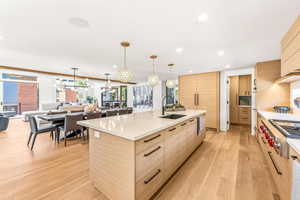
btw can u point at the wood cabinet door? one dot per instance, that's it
(207, 88)
(187, 91)
(233, 99)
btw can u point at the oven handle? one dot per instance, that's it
(263, 140)
(277, 170)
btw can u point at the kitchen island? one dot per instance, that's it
(132, 156)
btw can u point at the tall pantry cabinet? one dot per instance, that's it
(201, 91)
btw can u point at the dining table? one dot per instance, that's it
(59, 119)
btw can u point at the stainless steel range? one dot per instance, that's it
(290, 129)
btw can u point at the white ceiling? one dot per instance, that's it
(37, 34)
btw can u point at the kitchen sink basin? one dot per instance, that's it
(173, 116)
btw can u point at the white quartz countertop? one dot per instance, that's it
(137, 125)
(280, 116)
(294, 143)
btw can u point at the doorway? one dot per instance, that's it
(240, 98)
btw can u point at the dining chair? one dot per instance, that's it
(111, 113)
(35, 130)
(92, 115)
(130, 110)
(123, 112)
(71, 126)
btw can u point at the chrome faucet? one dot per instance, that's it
(163, 107)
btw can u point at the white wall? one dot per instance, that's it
(157, 96)
(224, 96)
(294, 92)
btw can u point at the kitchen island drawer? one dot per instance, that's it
(147, 186)
(148, 160)
(149, 141)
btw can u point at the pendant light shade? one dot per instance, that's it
(124, 74)
(153, 79)
(171, 83)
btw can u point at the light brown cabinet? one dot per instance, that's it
(201, 91)
(245, 115)
(245, 85)
(266, 75)
(290, 49)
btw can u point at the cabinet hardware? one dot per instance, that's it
(277, 170)
(194, 99)
(197, 99)
(192, 120)
(152, 177)
(151, 152)
(183, 124)
(172, 129)
(150, 139)
(294, 157)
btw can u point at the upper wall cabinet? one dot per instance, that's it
(245, 85)
(290, 50)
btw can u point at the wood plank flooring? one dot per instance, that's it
(227, 166)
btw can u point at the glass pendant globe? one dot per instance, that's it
(170, 83)
(153, 80)
(125, 75)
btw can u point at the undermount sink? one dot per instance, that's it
(173, 116)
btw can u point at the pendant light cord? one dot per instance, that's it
(153, 67)
(125, 64)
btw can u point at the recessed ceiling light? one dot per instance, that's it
(190, 71)
(79, 22)
(221, 53)
(115, 66)
(227, 66)
(203, 17)
(179, 50)
(1, 37)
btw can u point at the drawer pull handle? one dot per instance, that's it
(153, 138)
(294, 157)
(152, 177)
(192, 120)
(172, 129)
(151, 152)
(183, 124)
(277, 170)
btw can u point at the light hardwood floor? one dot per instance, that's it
(227, 166)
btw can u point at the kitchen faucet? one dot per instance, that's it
(163, 107)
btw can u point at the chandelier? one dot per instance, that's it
(72, 84)
(108, 86)
(171, 83)
(153, 79)
(124, 74)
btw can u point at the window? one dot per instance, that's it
(172, 95)
(142, 96)
(19, 93)
(109, 98)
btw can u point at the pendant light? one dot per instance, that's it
(124, 74)
(171, 83)
(153, 79)
(108, 82)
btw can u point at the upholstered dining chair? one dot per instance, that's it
(110, 113)
(71, 126)
(35, 130)
(123, 112)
